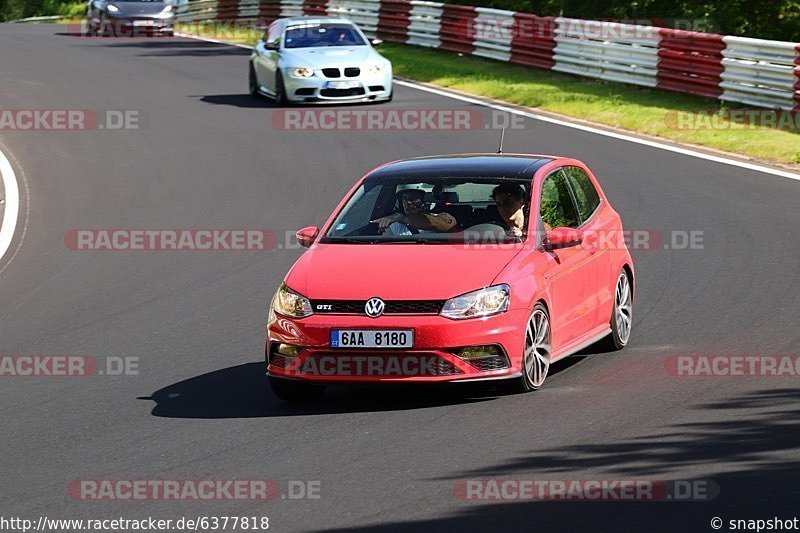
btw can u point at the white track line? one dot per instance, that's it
(573, 125)
(9, 223)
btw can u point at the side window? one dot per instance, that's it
(585, 193)
(557, 208)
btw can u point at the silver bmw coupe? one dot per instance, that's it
(318, 59)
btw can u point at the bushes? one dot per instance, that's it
(764, 19)
(17, 9)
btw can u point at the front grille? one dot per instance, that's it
(376, 88)
(420, 364)
(331, 72)
(334, 93)
(352, 72)
(486, 364)
(308, 91)
(393, 307)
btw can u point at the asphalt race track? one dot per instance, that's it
(386, 459)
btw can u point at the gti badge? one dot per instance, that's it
(374, 307)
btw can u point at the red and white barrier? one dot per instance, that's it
(690, 62)
(760, 73)
(607, 50)
(424, 24)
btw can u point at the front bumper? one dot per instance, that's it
(432, 359)
(134, 26)
(317, 88)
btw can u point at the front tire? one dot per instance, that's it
(295, 391)
(280, 91)
(536, 351)
(621, 315)
(253, 83)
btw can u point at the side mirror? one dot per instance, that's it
(376, 42)
(307, 235)
(558, 238)
(270, 45)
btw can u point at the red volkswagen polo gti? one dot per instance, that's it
(450, 269)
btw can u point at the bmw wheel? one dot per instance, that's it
(253, 82)
(280, 91)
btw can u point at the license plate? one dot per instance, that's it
(341, 85)
(143, 22)
(372, 338)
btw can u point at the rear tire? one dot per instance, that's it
(621, 315)
(295, 391)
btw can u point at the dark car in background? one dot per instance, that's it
(131, 17)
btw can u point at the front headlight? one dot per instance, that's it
(167, 9)
(484, 302)
(301, 72)
(112, 8)
(289, 303)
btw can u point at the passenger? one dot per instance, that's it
(414, 218)
(510, 201)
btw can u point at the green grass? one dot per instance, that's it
(640, 110)
(72, 11)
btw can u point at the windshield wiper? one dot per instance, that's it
(416, 240)
(349, 240)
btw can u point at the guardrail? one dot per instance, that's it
(754, 72)
(49, 18)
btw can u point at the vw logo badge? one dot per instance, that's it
(374, 307)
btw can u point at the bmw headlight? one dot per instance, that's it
(301, 72)
(289, 303)
(484, 302)
(168, 10)
(112, 8)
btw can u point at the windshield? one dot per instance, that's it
(434, 211)
(312, 35)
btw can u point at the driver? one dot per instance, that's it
(414, 218)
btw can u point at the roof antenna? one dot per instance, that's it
(502, 136)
